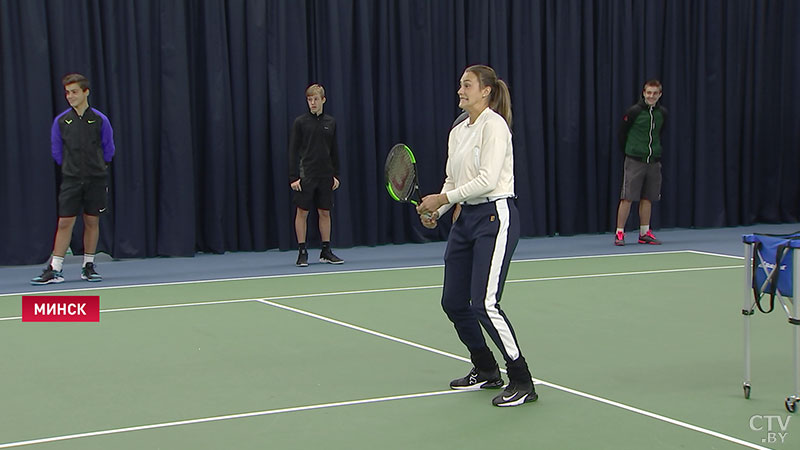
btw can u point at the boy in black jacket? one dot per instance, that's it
(314, 172)
(82, 143)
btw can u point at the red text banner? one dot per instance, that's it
(61, 308)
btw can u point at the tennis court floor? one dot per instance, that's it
(629, 351)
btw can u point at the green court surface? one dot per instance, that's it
(629, 352)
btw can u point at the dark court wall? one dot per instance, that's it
(201, 95)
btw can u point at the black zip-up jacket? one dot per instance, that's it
(313, 151)
(82, 146)
(641, 129)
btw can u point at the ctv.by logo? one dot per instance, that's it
(773, 424)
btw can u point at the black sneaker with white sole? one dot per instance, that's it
(302, 259)
(476, 379)
(89, 273)
(327, 256)
(516, 394)
(48, 276)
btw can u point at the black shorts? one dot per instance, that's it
(315, 192)
(87, 195)
(641, 180)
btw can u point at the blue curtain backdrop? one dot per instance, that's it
(202, 94)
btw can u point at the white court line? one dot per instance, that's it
(292, 275)
(722, 255)
(398, 289)
(225, 417)
(653, 415)
(244, 300)
(218, 280)
(367, 331)
(621, 274)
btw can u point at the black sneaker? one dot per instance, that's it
(302, 259)
(48, 276)
(327, 256)
(89, 274)
(516, 394)
(478, 380)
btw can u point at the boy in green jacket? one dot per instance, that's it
(640, 137)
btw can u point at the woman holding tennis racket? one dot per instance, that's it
(480, 177)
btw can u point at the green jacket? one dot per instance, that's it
(640, 133)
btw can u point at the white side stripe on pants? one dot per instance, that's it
(493, 284)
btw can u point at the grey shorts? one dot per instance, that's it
(641, 181)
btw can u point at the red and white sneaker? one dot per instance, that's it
(619, 239)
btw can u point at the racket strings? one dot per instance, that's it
(400, 174)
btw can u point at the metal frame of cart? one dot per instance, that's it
(754, 291)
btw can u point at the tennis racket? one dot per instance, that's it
(401, 175)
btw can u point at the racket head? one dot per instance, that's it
(400, 172)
